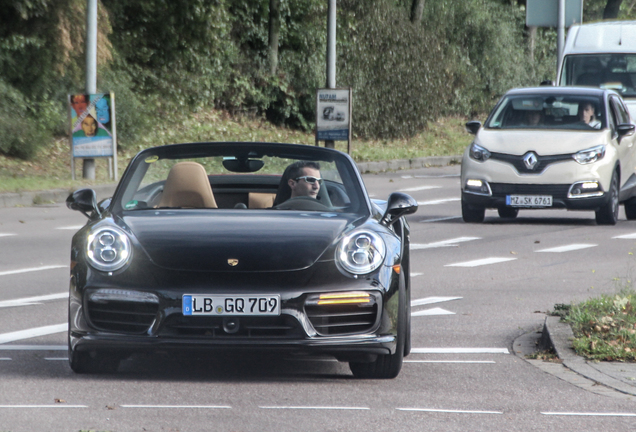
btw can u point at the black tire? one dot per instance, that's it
(508, 212)
(472, 213)
(608, 214)
(630, 209)
(387, 366)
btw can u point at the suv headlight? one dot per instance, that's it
(108, 248)
(361, 252)
(478, 153)
(590, 155)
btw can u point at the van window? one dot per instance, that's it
(609, 71)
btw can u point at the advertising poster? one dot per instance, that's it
(333, 114)
(91, 125)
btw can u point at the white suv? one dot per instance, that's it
(552, 147)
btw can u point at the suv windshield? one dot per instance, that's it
(548, 112)
(608, 71)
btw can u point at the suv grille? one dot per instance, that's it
(283, 326)
(122, 316)
(558, 191)
(342, 319)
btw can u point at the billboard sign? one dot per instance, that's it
(333, 114)
(92, 125)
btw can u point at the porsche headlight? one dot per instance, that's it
(590, 155)
(108, 249)
(478, 153)
(361, 252)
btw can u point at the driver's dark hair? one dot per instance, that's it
(293, 171)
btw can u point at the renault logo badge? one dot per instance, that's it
(530, 160)
(232, 262)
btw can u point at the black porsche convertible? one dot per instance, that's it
(214, 246)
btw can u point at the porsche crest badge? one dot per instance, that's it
(232, 262)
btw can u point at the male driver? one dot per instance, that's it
(304, 179)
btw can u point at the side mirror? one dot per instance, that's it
(398, 205)
(83, 200)
(625, 129)
(472, 127)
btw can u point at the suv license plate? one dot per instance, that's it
(529, 200)
(201, 304)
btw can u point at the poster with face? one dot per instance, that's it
(91, 128)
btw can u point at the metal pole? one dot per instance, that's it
(331, 53)
(560, 32)
(88, 169)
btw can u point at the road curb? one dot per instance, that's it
(559, 336)
(404, 164)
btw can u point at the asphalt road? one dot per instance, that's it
(476, 288)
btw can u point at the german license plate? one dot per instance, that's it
(201, 304)
(529, 200)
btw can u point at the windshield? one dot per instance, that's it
(548, 112)
(246, 180)
(609, 71)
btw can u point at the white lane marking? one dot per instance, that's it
(416, 274)
(626, 236)
(568, 248)
(449, 411)
(6, 234)
(56, 358)
(443, 243)
(480, 262)
(440, 219)
(419, 188)
(314, 408)
(5, 358)
(439, 201)
(34, 332)
(460, 351)
(26, 301)
(74, 227)
(33, 347)
(44, 406)
(431, 312)
(431, 300)
(450, 361)
(178, 406)
(610, 414)
(32, 269)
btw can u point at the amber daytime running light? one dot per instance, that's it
(344, 298)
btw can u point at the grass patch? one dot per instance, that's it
(51, 167)
(604, 327)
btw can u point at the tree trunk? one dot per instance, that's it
(274, 31)
(417, 8)
(611, 9)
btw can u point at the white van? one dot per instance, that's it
(602, 55)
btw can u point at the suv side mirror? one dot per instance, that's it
(399, 204)
(625, 129)
(472, 127)
(83, 200)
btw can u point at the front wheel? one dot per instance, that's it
(608, 214)
(386, 366)
(472, 213)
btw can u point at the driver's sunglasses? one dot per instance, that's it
(310, 179)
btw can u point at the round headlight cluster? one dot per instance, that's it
(108, 249)
(361, 252)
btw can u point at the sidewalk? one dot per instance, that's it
(30, 198)
(616, 379)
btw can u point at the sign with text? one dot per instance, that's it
(333, 114)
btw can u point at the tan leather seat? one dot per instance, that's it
(187, 186)
(259, 200)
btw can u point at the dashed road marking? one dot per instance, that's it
(33, 347)
(431, 300)
(460, 351)
(28, 301)
(178, 406)
(449, 411)
(31, 269)
(6, 234)
(314, 408)
(452, 361)
(443, 243)
(439, 201)
(434, 311)
(74, 227)
(440, 219)
(626, 236)
(480, 262)
(568, 248)
(34, 332)
(592, 414)
(418, 188)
